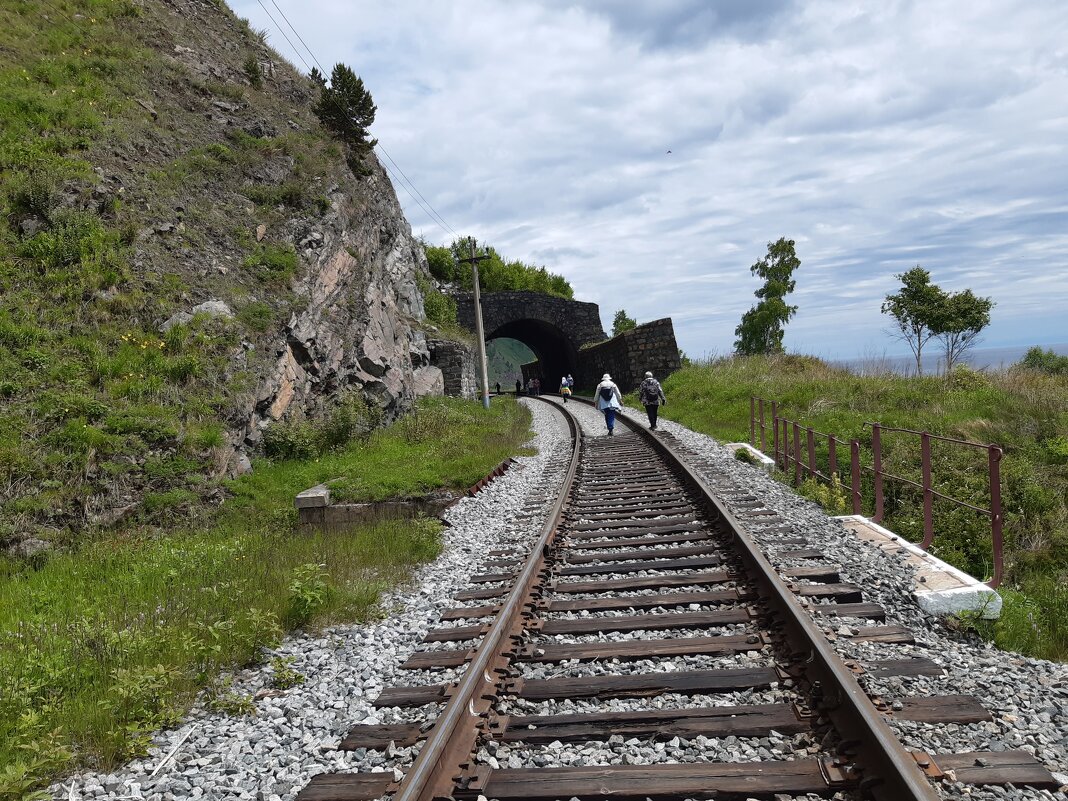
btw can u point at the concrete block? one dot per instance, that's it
(940, 588)
(763, 461)
(314, 497)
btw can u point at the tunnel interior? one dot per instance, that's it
(556, 354)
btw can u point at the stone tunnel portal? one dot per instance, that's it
(556, 354)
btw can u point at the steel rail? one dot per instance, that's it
(448, 747)
(888, 770)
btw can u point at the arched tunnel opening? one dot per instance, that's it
(554, 351)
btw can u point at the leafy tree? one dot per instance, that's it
(621, 323)
(915, 310)
(495, 274)
(441, 262)
(346, 108)
(761, 328)
(960, 318)
(1046, 361)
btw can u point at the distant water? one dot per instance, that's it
(978, 359)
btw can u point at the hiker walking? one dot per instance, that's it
(651, 396)
(609, 401)
(518, 387)
(565, 388)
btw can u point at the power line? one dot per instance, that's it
(421, 200)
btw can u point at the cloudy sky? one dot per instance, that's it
(877, 135)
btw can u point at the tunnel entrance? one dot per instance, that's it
(505, 358)
(552, 348)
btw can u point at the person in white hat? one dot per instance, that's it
(651, 396)
(609, 401)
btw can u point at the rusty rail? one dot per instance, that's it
(802, 459)
(449, 745)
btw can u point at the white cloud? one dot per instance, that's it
(876, 136)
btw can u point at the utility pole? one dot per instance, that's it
(479, 333)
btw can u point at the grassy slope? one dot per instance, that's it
(101, 647)
(1025, 412)
(125, 196)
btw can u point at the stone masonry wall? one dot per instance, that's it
(650, 346)
(580, 321)
(457, 364)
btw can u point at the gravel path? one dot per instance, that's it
(273, 754)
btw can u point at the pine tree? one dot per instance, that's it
(346, 108)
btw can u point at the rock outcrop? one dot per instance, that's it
(361, 326)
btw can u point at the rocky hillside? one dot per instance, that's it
(185, 258)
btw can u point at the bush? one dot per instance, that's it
(309, 592)
(256, 316)
(253, 72)
(290, 439)
(271, 263)
(1045, 361)
(440, 308)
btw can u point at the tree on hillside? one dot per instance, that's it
(346, 108)
(961, 316)
(495, 274)
(621, 323)
(915, 310)
(761, 328)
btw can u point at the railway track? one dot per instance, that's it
(645, 612)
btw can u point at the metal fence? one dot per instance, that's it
(793, 447)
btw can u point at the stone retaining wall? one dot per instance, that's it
(457, 364)
(650, 346)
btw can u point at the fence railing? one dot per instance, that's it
(793, 447)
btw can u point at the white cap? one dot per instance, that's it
(648, 374)
(606, 377)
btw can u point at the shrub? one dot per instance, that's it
(253, 72)
(272, 263)
(351, 418)
(1045, 361)
(290, 439)
(440, 308)
(256, 316)
(309, 592)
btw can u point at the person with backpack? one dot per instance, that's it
(565, 389)
(609, 401)
(651, 396)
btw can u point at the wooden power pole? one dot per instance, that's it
(473, 260)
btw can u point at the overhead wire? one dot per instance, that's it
(423, 203)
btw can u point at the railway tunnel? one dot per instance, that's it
(566, 337)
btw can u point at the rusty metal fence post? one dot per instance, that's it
(928, 498)
(832, 456)
(797, 453)
(994, 454)
(854, 475)
(811, 453)
(752, 420)
(775, 425)
(877, 452)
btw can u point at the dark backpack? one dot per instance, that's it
(606, 393)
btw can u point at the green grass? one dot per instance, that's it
(1024, 411)
(102, 646)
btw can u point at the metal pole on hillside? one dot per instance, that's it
(479, 333)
